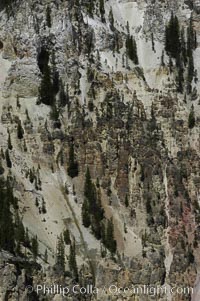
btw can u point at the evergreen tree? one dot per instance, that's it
(9, 142)
(60, 256)
(131, 49)
(128, 28)
(2, 154)
(63, 98)
(27, 243)
(55, 75)
(88, 184)
(97, 213)
(34, 247)
(43, 59)
(126, 201)
(7, 241)
(191, 119)
(48, 16)
(183, 47)
(1, 168)
(66, 236)
(110, 242)
(73, 164)
(98, 60)
(190, 73)
(6, 4)
(19, 233)
(9, 191)
(8, 161)
(20, 131)
(54, 114)
(92, 211)
(152, 42)
(111, 19)
(162, 59)
(18, 103)
(46, 256)
(191, 38)
(44, 210)
(91, 106)
(25, 147)
(90, 8)
(102, 10)
(180, 77)
(36, 202)
(31, 175)
(46, 94)
(172, 37)
(86, 214)
(72, 261)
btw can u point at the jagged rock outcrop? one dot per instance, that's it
(130, 124)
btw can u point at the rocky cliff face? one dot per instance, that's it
(127, 123)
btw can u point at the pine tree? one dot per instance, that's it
(88, 195)
(60, 256)
(46, 256)
(63, 99)
(110, 241)
(191, 38)
(111, 19)
(73, 164)
(131, 49)
(7, 241)
(1, 168)
(48, 16)
(9, 142)
(102, 10)
(162, 59)
(191, 119)
(46, 94)
(36, 202)
(43, 59)
(90, 105)
(34, 247)
(97, 213)
(98, 60)
(190, 73)
(2, 154)
(54, 114)
(44, 210)
(152, 42)
(180, 79)
(25, 147)
(27, 239)
(19, 232)
(6, 4)
(66, 236)
(90, 8)
(88, 184)
(86, 214)
(18, 103)
(126, 201)
(55, 75)
(172, 37)
(72, 261)
(31, 175)
(183, 47)
(20, 131)
(92, 211)
(8, 161)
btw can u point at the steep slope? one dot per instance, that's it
(134, 126)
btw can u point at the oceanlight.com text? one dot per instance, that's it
(132, 290)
